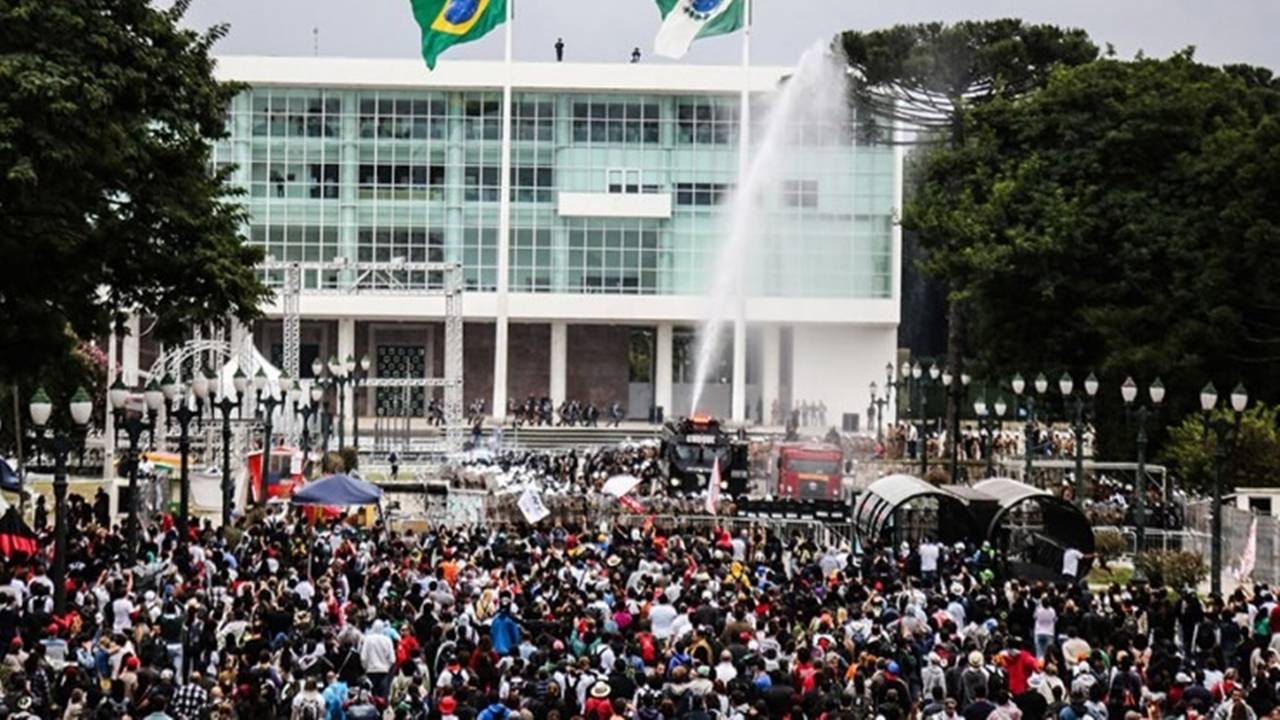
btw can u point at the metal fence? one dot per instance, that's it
(1235, 536)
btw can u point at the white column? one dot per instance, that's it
(738, 409)
(662, 373)
(129, 361)
(770, 368)
(500, 350)
(347, 347)
(559, 362)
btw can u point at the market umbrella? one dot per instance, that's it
(620, 485)
(338, 490)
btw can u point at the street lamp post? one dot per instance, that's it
(1083, 404)
(60, 444)
(304, 406)
(180, 409)
(1129, 392)
(341, 374)
(265, 399)
(230, 400)
(878, 404)
(957, 391)
(987, 426)
(1225, 434)
(134, 426)
(1019, 385)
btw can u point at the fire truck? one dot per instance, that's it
(690, 448)
(808, 471)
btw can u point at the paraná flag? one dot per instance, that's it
(683, 21)
(446, 23)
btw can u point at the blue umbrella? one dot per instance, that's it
(342, 490)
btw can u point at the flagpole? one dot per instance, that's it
(501, 325)
(738, 406)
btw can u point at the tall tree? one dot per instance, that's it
(1124, 218)
(924, 78)
(108, 198)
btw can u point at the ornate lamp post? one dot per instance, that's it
(306, 404)
(1083, 404)
(341, 374)
(231, 399)
(180, 409)
(987, 426)
(1129, 392)
(268, 405)
(956, 390)
(1029, 430)
(878, 404)
(60, 444)
(922, 383)
(1225, 434)
(134, 426)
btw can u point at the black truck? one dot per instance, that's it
(690, 447)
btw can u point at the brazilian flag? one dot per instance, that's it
(446, 23)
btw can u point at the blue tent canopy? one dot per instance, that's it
(338, 490)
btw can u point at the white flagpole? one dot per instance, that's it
(499, 409)
(738, 405)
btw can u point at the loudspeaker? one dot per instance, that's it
(655, 415)
(850, 423)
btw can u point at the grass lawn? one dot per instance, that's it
(1117, 573)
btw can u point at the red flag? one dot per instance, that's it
(631, 504)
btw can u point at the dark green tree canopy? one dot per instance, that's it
(924, 75)
(1126, 218)
(108, 198)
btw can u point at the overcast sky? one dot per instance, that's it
(606, 30)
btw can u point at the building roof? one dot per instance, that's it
(392, 74)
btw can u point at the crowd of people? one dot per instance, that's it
(562, 472)
(281, 618)
(901, 440)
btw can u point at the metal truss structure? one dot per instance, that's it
(385, 278)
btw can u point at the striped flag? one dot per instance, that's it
(1250, 557)
(684, 21)
(713, 491)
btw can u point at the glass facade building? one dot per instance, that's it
(618, 176)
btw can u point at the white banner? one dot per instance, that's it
(531, 506)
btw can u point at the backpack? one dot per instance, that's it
(1121, 691)
(311, 710)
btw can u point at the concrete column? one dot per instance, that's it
(662, 373)
(770, 368)
(130, 354)
(559, 362)
(500, 349)
(738, 408)
(347, 346)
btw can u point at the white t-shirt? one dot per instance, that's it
(121, 609)
(1071, 562)
(1045, 619)
(928, 557)
(660, 619)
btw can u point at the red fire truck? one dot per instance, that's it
(808, 471)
